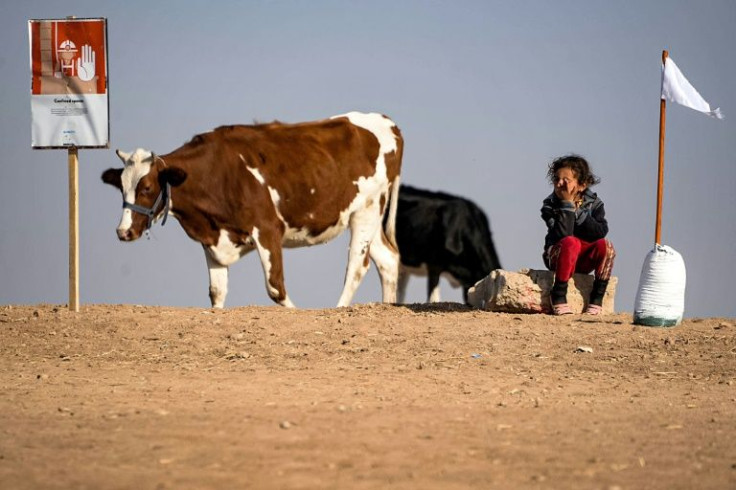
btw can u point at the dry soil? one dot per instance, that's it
(370, 396)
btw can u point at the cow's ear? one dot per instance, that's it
(112, 176)
(173, 176)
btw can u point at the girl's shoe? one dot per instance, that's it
(594, 310)
(562, 309)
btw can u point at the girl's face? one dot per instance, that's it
(567, 186)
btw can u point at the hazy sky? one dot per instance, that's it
(486, 93)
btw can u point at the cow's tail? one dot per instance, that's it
(393, 206)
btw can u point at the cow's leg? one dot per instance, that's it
(270, 252)
(367, 236)
(358, 265)
(433, 286)
(218, 280)
(401, 284)
(219, 257)
(386, 258)
(363, 228)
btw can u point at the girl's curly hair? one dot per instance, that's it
(577, 164)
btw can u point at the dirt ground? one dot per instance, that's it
(369, 396)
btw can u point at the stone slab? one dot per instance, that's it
(527, 291)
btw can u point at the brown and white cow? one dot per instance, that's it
(269, 186)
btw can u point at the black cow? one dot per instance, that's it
(439, 234)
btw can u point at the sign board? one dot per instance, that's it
(69, 105)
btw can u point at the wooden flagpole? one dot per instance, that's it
(660, 180)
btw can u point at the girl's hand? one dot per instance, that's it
(566, 193)
(567, 187)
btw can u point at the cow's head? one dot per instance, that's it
(144, 181)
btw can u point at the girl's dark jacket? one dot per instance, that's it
(588, 222)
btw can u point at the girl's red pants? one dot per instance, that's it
(573, 255)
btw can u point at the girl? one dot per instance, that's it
(576, 230)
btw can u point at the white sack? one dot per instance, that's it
(660, 299)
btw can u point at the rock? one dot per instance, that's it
(527, 291)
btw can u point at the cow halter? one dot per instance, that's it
(151, 212)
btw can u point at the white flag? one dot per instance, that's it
(676, 88)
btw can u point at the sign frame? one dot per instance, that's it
(70, 106)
